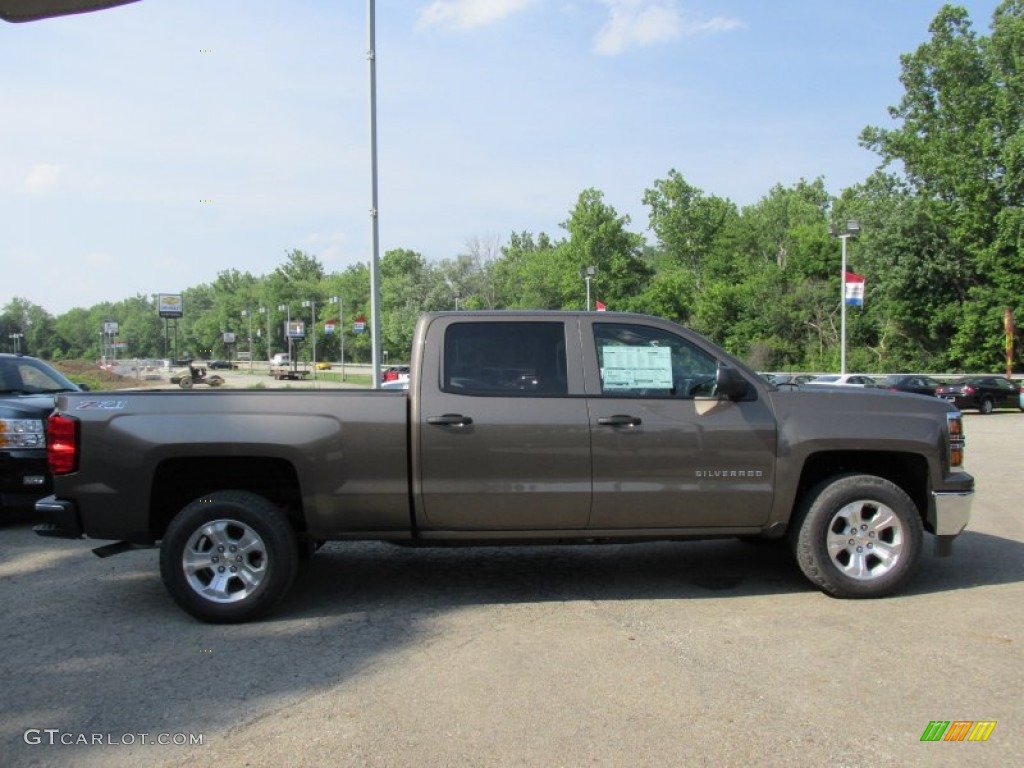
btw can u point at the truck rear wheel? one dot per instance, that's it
(858, 536)
(228, 557)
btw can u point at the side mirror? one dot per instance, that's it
(730, 384)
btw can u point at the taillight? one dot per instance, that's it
(957, 441)
(62, 444)
(968, 390)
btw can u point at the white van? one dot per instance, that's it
(281, 358)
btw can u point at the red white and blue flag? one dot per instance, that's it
(854, 290)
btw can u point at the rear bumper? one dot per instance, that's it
(61, 517)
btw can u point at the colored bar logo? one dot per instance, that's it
(958, 730)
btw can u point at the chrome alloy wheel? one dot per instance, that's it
(865, 540)
(224, 561)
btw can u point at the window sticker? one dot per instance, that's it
(637, 367)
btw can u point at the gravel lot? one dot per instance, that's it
(711, 653)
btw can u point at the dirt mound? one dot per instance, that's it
(84, 372)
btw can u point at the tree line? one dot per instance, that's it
(941, 222)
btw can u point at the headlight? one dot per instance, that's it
(22, 433)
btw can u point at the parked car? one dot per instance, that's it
(221, 365)
(27, 389)
(396, 373)
(788, 379)
(984, 393)
(920, 385)
(844, 380)
(323, 365)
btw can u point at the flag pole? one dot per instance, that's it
(842, 309)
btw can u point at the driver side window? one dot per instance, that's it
(639, 361)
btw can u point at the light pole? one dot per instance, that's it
(311, 303)
(587, 273)
(286, 308)
(247, 313)
(852, 230)
(266, 311)
(375, 299)
(340, 301)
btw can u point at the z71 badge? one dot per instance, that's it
(101, 405)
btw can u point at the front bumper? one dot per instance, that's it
(62, 519)
(951, 511)
(24, 479)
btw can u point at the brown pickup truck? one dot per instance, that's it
(525, 427)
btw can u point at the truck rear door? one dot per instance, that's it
(502, 426)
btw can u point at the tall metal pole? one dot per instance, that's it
(312, 304)
(842, 309)
(375, 334)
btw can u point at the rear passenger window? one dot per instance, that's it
(505, 359)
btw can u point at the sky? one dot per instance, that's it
(148, 148)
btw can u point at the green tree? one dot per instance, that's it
(689, 225)
(599, 237)
(960, 143)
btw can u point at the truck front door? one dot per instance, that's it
(503, 434)
(667, 453)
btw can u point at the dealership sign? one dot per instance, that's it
(170, 305)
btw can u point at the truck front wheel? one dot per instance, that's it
(228, 557)
(858, 536)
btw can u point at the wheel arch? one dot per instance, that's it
(907, 470)
(178, 481)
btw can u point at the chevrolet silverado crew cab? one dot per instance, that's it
(517, 427)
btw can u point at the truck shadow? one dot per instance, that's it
(344, 576)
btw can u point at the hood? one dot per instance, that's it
(26, 406)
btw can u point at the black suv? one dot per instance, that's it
(27, 389)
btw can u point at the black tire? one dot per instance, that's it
(857, 536)
(986, 406)
(185, 382)
(215, 381)
(198, 553)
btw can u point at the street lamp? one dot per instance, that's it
(340, 301)
(587, 273)
(852, 230)
(248, 314)
(270, 351)
(287, 327)
(311, 303)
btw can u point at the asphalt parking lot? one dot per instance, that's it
(709, 653)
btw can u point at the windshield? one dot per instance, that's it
(28, 376)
